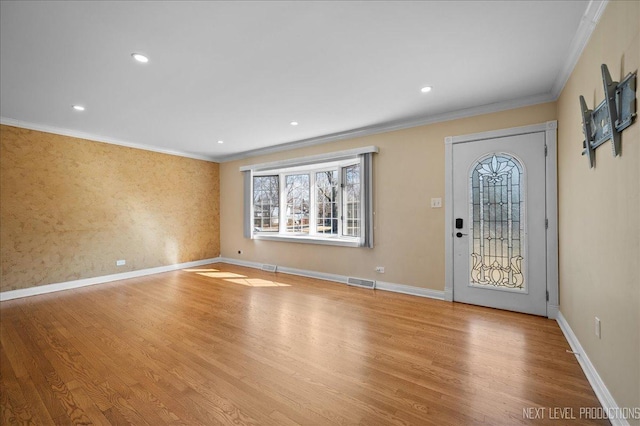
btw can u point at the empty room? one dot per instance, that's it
(318, 212)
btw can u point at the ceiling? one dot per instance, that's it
(241, 72)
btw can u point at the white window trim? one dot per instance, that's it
(334, 240)
(312, 172)
(312, 159)
(311, 165)
(550, 130)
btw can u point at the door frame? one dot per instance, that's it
(551, 195)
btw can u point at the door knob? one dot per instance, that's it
(460, 234)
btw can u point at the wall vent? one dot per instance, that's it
(269, 268)
(358, 282)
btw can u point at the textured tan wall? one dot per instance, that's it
(70, 208)
(600, 213)
(409, 234)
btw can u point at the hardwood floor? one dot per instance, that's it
(202, 347)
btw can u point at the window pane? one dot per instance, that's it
(297, 196)
(497, 243)
(266, 198)
(326, 202)
(351, 201)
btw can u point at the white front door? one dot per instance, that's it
(499, 241)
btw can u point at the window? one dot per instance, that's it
(352, 200)
(324, 199)
(497, 229)
(298, 196)
(327, 202)
(266, 200)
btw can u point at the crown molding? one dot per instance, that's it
(350, 134)
(588, 23)
(98, 138)
(392, 126)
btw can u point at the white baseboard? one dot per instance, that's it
(313, 274)
(50, 288)
(380, 285)
(600, 389)
(407, 289)
(552, 311)
(448, 294)
(239, 262)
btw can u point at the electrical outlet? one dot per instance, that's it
(380, 269)
(436, 203)
(121, 262)
(598, 328)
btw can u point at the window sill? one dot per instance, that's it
(330, 241)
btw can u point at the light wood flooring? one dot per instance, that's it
(223, 344)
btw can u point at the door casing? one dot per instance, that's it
(550, 132)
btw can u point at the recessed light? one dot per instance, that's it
(426, 89)
(294, 123)
(78, 107)
(220, 141)
(140, 57)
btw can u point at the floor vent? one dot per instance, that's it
(361, 283)
(269, 268)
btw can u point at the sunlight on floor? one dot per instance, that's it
(257, 282)
(221, 275)
(236, 278)
(506, 341)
